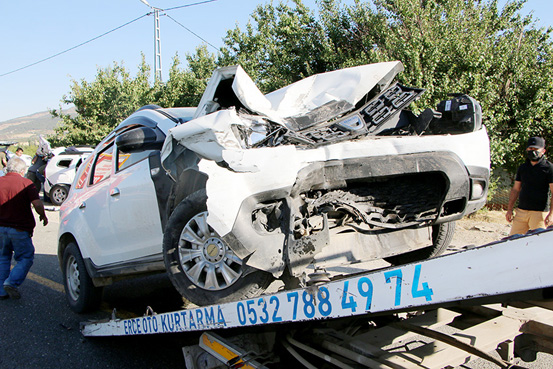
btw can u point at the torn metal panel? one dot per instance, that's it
(242, 85)
(348, 85)
(208, 136)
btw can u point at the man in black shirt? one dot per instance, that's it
(533, 182)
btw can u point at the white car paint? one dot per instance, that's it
(349, 84)
(262, 169)
(26, 158)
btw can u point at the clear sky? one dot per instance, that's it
(34, 30)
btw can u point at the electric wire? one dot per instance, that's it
(74, 47)
(187, 5)
(192, 32)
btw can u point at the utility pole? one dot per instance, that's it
(157, 47)
(157, 42)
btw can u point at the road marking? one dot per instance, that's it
(46, 282)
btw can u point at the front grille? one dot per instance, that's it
(392, 202)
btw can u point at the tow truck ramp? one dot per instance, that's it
(427, 314)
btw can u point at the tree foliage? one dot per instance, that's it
(114, 95)
(101, 104)
(495, 55)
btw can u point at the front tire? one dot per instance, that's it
(58, 194)
(201, 266)
(80, 292)
(442, 234)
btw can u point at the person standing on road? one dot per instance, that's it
(36, 170)
(533, 183)
(17, 223)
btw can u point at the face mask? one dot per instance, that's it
(533, 155)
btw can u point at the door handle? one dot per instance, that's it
(83, 205)
(114, 191)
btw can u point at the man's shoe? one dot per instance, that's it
(4, 297)
(12, 292)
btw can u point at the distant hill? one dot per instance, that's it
(28, 128)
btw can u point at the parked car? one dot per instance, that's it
(61, 169)
(247, 188)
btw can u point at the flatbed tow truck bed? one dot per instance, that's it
(435, 313)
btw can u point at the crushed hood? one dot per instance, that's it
(330, 93)
(299, 98)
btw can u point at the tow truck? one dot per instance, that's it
(441, 312)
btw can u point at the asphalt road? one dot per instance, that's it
(40, 331)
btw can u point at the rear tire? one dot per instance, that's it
(201, 266)
(58, 194)
(80, 292)
(442, 234)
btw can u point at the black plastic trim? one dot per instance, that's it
(142, 266)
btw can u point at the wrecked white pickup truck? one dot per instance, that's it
(331, 170)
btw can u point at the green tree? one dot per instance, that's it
(281, 44)
(496, 56)
(114, 95)
(101, 104)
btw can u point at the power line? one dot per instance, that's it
(186, 6)
(192, 32)
(73, 48)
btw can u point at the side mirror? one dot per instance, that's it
(138, 140)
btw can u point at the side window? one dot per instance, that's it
(64, 163)
(84, 174)
(102, 166)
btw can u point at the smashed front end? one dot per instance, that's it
(333, 169)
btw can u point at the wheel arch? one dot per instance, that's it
(188, 182)
(64, 240)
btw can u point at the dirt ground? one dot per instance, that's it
(479, 229)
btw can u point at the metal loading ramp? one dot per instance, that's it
(357, 320)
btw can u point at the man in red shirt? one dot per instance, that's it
(16, 227)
